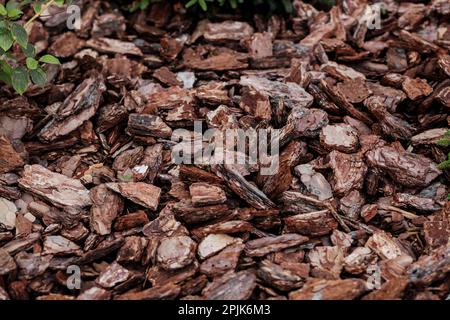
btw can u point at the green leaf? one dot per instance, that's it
(5, 72)
(38, 76)
(29, 51)
(59, 3)
(6, 39)
(32, 63)
(203, 4)
(20, 80)
(49, 59)
(20, 35)
(37, 8)
(191, 3)
(3, 11)
(444, 165)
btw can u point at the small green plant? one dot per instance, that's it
(445, 142)
(15, 73)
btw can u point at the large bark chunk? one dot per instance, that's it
(318, 289)
(54, 187)
(106, 206)
(408, 169)
(9, 158)
(231, 286)
(144, 194)
(264, 246)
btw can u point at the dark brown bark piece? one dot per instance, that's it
(167, 292)
(9, 158)
(348, 171)
(312, 224)
(148, 125)
(131, 220)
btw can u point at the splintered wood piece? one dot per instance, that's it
(264, 246)
(326, 262)
(203, 194)
(107, 205)
(244, 189)
(144, 194)
(60, 190)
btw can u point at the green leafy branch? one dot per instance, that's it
(19, 76)
(445, 142)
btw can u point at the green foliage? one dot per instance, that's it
(445, 142)
(207, 4)
(20, 74)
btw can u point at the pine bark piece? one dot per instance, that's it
(223, 262)
(148, 125)
(342, 102)
(131, 220)
(220, 62)
(167, 292)
(194, 174)
(107, 205)
(146, 195)
(175, 252)
(31, 265)
(351, 204)
(390, 290)
(60, 190)
(349, 171)
(166, 76)
(264, 246)
(385, 245)
(421, 204)
(204, 194)
(66, 45)
(315, 182)
(132, 250)
(303, 122)
(185, 211)
(8, 213)
(311, 224)
(408, 169)
(17, 245)
(58, 245)
(227, 227)
(359, 260)
(78, 107)
(128, 159)
(259, 45)
(284, 276)
(416, 88)
(326, 262)
(227, 30)
(9, 158)
(212, 244)
(102, 250)
(231, 286)
(256, 104)
(341, 137)
(106, 45)
(321, 289)
(291, 93)
(355, 90)
(160, 277)
(431, 267)
(7, 263)
(113, 275)
(341, 72)
(95, 294)
(244, 189)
